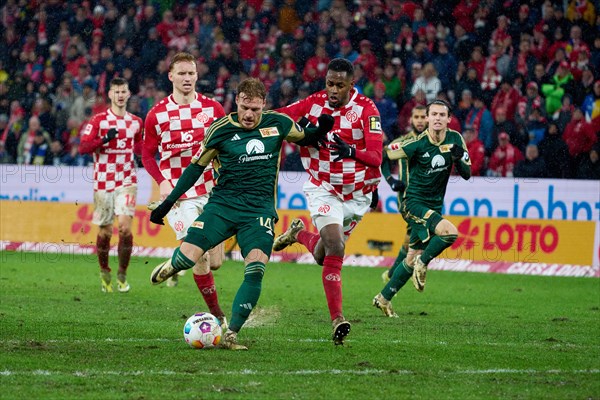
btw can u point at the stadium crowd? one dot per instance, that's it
(523, 79)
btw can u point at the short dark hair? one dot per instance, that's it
(118, 82)
(418, 107)
(341, 65)
(439, 102)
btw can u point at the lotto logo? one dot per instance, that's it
(333, 278)
(324, 209)
(187, 136)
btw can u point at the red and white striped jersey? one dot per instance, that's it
(356, 123)
(113, 161)
(177, 132)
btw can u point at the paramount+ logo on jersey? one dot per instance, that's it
(254, 152)
(438, 164)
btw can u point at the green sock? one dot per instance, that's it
(400, 277)
(401, 256)
(180, 262)
(436, 245)
(247, 295)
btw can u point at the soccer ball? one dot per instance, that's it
(202, 331)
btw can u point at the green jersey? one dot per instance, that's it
(247, 161)
(429, 166)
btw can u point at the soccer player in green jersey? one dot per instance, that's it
(431, 156)
(244, 148)
(418, 123)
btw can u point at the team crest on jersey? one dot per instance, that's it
(202, 117)
(375, 124)
(351, 116)
(445, 148)
(197, 224)
(268, 132)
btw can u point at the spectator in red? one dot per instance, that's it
(523, 62)
(576, 44)
(367, 59)
(579, 136)
(500, 35)
(316, 66)
(582, 62)
(504, 158)
(248, 39)
(539, 46)
(74, 60)
(476, 151)
(490, 83)
(477, 61)
(167, 28)
(97, 17)
(557, 52)
(463, 14)
(507, 97)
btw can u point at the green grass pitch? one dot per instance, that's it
(468, 336)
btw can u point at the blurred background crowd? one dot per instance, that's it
(523, 78)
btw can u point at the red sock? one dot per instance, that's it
(102, 249)
(309, 240)
(332, 283)
(124, 251)
(206, 285)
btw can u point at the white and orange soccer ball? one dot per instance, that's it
(202, 331)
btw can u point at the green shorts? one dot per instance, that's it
(218, 222)
(422, 221)
(401, 211)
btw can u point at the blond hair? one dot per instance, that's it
(252, 88)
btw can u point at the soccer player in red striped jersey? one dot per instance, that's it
(175, 128)
(343, 174)
(113, 136)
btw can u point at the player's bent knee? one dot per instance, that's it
(445, 227)
(334, 246)
(200, 269)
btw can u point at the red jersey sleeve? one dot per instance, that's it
(89, 139)
(298, 109)
(150, 147)
(138, 140)
(371, 156)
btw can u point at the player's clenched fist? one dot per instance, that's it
(110, 135)
(457, 152)
(157, 215)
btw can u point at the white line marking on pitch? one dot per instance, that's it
(86, 373)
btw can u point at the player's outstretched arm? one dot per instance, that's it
(186, 181)
(315, 135)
